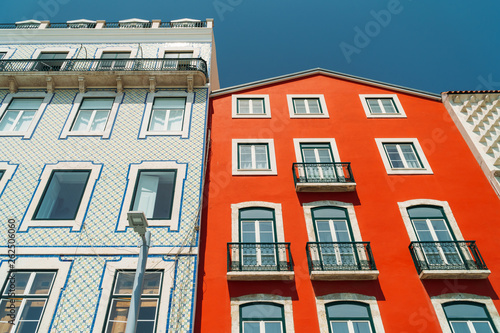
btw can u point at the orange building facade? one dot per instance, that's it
(340, 204)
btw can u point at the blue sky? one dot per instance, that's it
(429, 45)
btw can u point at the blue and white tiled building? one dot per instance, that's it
(98, 119)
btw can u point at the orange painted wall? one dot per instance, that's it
(403, 299)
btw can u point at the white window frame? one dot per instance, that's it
(394, 97)
(153, 263)
(438, 301)
(235, 218)
(71, 51)
(8, 52)
(9, 170)
(234, 106)
(322, 103)
(133, 172)
(331, 141)
(100, 51)
(172, 49)
(76, 224)
(186, 122)
(286, 302)
(257, 172)
(66, 131)
(62, 266)
(321, 301)
(426, 168)
(47, 97)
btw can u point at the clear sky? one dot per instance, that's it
(430, 45)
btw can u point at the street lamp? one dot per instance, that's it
(138, 221)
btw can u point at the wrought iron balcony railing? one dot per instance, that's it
(96, 65)
(245, 257)
(340, 256)
(452, 255)
(322, 173)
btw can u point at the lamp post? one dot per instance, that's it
(138, 221)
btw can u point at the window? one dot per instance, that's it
(6, 172)
(382, 106)
(50, 61)
(167, 113)
(19, 114)
(254, 157)
(251, 106)
(307, 106)
(349, 317)
(2, 54)
(93, 114)
(120, 302)
(262, 318)
(154, 193)
(62, 196)
(403, 156)
(262, 313)
(30, 294)
(178, 61)
(468, 318)
(113, 60)
(156, 189)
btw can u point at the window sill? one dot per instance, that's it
(260, 276)
(325, 187)
(344, 275)
(454, 274)
(409, 172)
(255, 172)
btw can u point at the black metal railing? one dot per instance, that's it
(259, 257)
(452, 255)
(322, 173)
(8, 26)
(95, 65)
(82, 25)
(180, 24)
(340, 256)
(186, 24)
(128, 25)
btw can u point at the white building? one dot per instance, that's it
(98, 119)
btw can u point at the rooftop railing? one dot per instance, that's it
(259, 257)
(104, 24)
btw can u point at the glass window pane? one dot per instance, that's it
(460, 327)
(148, 309)
(1, 174)
(257, 213)
(339, 327)
(175, 120)
(465, 311)
(314, 106)
(97, 104)
(410, 156)
(21, 281)
(99, 123)
(41, 283)
(117, 326)
(158, 119)
(245, 156)
(124, 283)
(388, 105)
(119, 311)
(393, 155)
(151, 284)
(425, 212)
(33, 310)
(243, 106)
(169, 103)
(347, 311)
(27, 327)
(25, 104)
(261, 157)
(374, 106)
(82, 120)
(154, 193)
(115, 55)
(361, 327)
(272, 327)
(53, 55)
(62, 195)
(300, 106)
(482, 327)
(258, 106)
(329, 213)
(24, 122)
(144, 327)
(251, 327)
(5, 310)
(260, 311)
(8, 120)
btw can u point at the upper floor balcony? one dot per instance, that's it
(259, 261)
(96, 73)
(323, 177)
(341, 261)
(448, 260)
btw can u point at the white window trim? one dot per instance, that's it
(76, 224)
(36, 118)
(131, 264)
(40, 263)
(235, 218)
(356, 233)
(438, 301)
(370, 300)
(257, 172)
(133, 51)
(9, 169)
(403, 208)
(332, 142)
(164, 49)
(8, 52)
(66, 131)
(234, 106)
(322, 103)
(71, 51)
(426, 170)
(236, 302)
(394, 97)
(133, 172)
(186, 122)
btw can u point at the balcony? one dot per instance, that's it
(448, 260)
(82, 73)
(330, 261)
(323, 177)
(259, 261)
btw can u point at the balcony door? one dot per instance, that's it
(334, 234)
(318, 159)
(431, 226)
(114, 60)
(50, 61)
(258, 238)
(177, 60)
